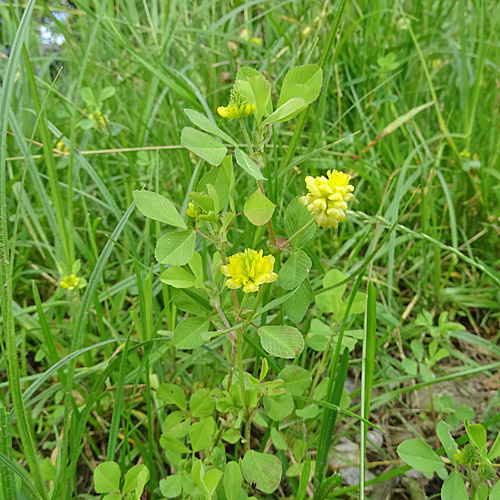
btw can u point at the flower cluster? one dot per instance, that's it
(71, 282)
(232, 111)
(238, 107)
(100, 119)
(327, 198)
(467, 456)
(249, 270)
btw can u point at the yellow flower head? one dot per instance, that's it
(232, 111)
(327, 198)
(70, 282)
(467, 456)
(238, 107)
(249, 270)
(193, 210)
(60, 146)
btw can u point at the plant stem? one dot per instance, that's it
(241, 374)
(247, 137)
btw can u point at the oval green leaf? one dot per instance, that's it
(187, 334)
(203, 145)
(281, 341)
(176, 248)
(248, 165)
(420, 455)
(258, 209)
(262, 469)
(107, 477)
(157, 207)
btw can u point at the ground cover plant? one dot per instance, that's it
(250, 250)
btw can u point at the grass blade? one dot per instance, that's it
(368, 365)
(333, 395)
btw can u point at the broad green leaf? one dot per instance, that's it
(171, 487)
(331, 301)
(113, 496)
(107, 477)
(176, 248)
(281, 341)
(297, 379)
(302, 81)
(172, 444)
(449, 444)
(135, 479)
(278, 440)
(243, 77)
(248, 165)
(278, 407)
(333, 277)
(286, 111)
(187, 334)
(197, 473)
(297, 305)
(308, 412)
(201, 404)
(298, 449)
(107, 92)
(419, 455)
(177, 424)
(495, 492)
(257, 90)
(221, 178)
(262, 469)
(296, 217)
(294, 271)
(454, 487)
(208, 126)
(201, 435)
(172, 395)
(196, 266)
(495, 449)
(203, 145)
(482, 492)
(177, 277)
(258, 209)
(88, 96)
(477, 435)
(232, 480)
(211, 480)
(203, 200)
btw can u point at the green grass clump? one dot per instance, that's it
(408, 107)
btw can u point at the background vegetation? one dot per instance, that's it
(139, 64)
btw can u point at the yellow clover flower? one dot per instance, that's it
(238, 107)
(249, 270)
(60, 146)
(233, 111)
(70, 282)
(327, 198)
